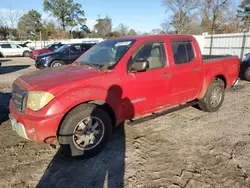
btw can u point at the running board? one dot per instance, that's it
(156, 115)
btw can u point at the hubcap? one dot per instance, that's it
(216, 97)
(88, 133)
(57, 64)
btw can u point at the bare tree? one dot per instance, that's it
(122, 29)
(103, 27)
(181, 12)
(13, 17)
(10, 18)
(212, 12)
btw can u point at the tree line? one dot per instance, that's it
(69, 21)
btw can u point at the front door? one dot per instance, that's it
(147, 90)
(74, 52)
(16, 50)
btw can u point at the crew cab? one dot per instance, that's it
(64, 55)
(13, 50)
(118, 80)
(46, 49)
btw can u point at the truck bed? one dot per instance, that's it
(209, 58)
(226, 65)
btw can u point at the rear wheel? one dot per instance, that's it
(85, 131)
(247, 74)
(26, 53)
(214, 96)
(56, 63)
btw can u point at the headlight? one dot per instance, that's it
(38, 99)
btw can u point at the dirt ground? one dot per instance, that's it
(187, 148)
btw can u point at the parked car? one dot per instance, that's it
(245, 67)
(115, 81)
(46, 49)
(24, 44)
(62, 56)
(13, 50)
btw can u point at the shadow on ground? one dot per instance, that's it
(4, 60)
(4, 106)
(87, 173)
(14, 68)
(106, 169)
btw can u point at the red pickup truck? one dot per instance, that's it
(115, 81)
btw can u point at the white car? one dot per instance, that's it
(14, 50)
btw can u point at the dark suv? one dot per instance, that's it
(64, 55)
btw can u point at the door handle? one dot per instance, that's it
(167, 75)
(196, 69)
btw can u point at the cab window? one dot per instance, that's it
(154, 53)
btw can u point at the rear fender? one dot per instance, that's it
(208, 80)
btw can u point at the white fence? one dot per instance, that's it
(235, 43)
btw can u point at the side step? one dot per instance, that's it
(156, 115)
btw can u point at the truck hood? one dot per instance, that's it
(43, 80)
(49, 53)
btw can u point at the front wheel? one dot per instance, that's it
(56, 63)
(214, 96)
(85, 131)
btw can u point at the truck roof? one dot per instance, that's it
(148, 37)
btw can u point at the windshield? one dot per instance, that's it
(47, 46)
(62, 48)
(108, 52)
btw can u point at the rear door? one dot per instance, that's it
(186, 71)
(6, 49)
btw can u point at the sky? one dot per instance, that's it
(141, 15)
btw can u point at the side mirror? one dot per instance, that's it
(139, 66)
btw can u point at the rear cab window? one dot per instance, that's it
(183, 52)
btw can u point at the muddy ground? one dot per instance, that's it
(187, 148)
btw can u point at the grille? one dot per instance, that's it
(19, 97)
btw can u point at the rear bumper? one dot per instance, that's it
(40, 129)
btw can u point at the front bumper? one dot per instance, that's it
(41, 64)
(18, 127)
(42, 129)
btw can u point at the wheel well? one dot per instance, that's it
(107, 108)
(222, 78)
(104, 105)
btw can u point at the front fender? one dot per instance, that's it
(74, 97)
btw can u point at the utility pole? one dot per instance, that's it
(41, 38)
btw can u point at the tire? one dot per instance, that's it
(56, 63)
(74, 120)
(214, 96)
(26, 54)
(247, 74)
